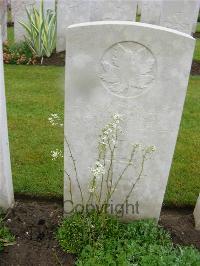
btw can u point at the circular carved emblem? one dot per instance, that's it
(127, 69)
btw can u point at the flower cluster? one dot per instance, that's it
(98, 170)
(56, 154)
(55, 120)
(147, 149)
(108, 133)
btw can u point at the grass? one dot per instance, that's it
(32, 138)
(10, 33)
(6, 238)
(184, 182)
(197, 50)
(33, 93)
(198, 27)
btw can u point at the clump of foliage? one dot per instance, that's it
(6, 238)
(41, 31)
(85, 229)
(127, 253)
(99, 239)
(18, 54)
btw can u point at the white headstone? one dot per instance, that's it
(76, 11)
(197, 214)
(151, 11)
(196, 14)
(19, 14)
(178, 15)
(6, 186)
(113, 10)
(140, 71)
(3, 19)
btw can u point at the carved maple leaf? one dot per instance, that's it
(127, 68)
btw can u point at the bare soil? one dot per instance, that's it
(34, 224)
(196, 35)
(56, 59)
(180, 224)
(195, 70)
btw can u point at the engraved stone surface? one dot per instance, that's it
(19, 13)
(6, 187)
(197, 214)
(77, 11)
(103, 62)
(151, 11)
(3, 19)
(128, 69)
(179, 15)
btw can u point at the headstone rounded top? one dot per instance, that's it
(129, 23)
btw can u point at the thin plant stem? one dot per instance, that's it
(138, 178)
(112, 151)
(123, 171)
(75, 169)
(102, 179)
(70, 185)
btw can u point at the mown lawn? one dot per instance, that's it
(184, 182)
(34, 92)
(198, 27)
(197, 50)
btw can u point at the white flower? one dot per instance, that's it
(137, 145)
(55, 120)
(150, 149)
(92, 190)
(117, 117)
(98, 170)
(56, 154)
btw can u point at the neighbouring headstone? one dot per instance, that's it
(197, 214)
(196, 14)
(6, 186)
(179, 15)
(3, 19)
(19, 14)
(151, 11)
(77, 11)
(140, 71)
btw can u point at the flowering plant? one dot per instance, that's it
(103, 182)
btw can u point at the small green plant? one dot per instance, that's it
(6, 238)
(99, 239)
(41, 31)
(130, 253)
(18, 53)
(86, 229)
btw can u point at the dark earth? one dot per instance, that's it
(34, 224)
(196, 35)
(195, 70)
